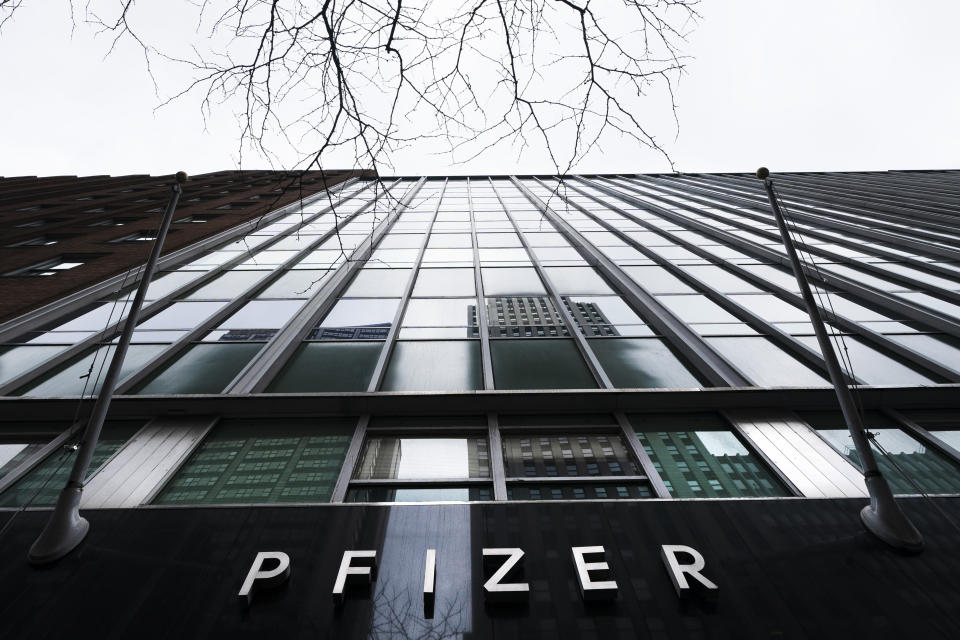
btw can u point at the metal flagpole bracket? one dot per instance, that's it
(67, 528)
(883, 516)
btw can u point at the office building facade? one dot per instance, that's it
(86, 229)
(488, 363)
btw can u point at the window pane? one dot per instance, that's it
(445, 312)
(657, 280)
(17, 360)
(642, 363)
(419, 494)
(511, 281)
(872, 366)
(487, 240)
(708, 464)
(605, 316)
(539, 364)
(451, 365)
(299, 283)
(228, 285)
(254, 461)
(378, 283)
(71, 379)
(329, 366)
(771, 308)
(696, 308)
(444, 282)
(391, 458)
(591, 491)
(530, 456)
(358, 318)
(181, 315)
(577, 280)
(930, 470)
(204, 368)
(262, 314)
(766, 364)
(720, 279)
(42, 484)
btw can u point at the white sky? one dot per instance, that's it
(813, 85)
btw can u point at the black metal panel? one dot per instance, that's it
(786, 569)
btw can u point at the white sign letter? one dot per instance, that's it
(362, 572)
(592, 589)
(679, 572)
(429, 583)
(259, 577)
(494, 589)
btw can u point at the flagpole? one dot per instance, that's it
(66, 528)
(882, 517)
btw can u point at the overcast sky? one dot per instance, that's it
(813, 85)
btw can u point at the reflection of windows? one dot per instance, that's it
(557, 467)
(908, 465)
(420, 458)
(699, 456)
(263, 461)
(524, 317)
(420, 469)
(564, 491)
(357, 319)
(41, 485)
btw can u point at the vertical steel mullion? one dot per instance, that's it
(208, 324)
(495, 445)
(350, 459)
(596, 369)
(704, 358)
(154, 307)
(634, 444)
(389, 343)
(265, 365)
(482, 320)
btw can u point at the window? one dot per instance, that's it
(442, 365)
(84, 375)
(539, 364)
(352, 319)
(642, 363)
(433, 469)
(203, 368)
(112, 222)
(423, 458)
(40, 486)
(766, 364)
(908, 465)
(42, 241)
(699, 456)
(139, 236)
(197, 219)
(328, 366)
(263, 461)
(571, 467)
(51, 267)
